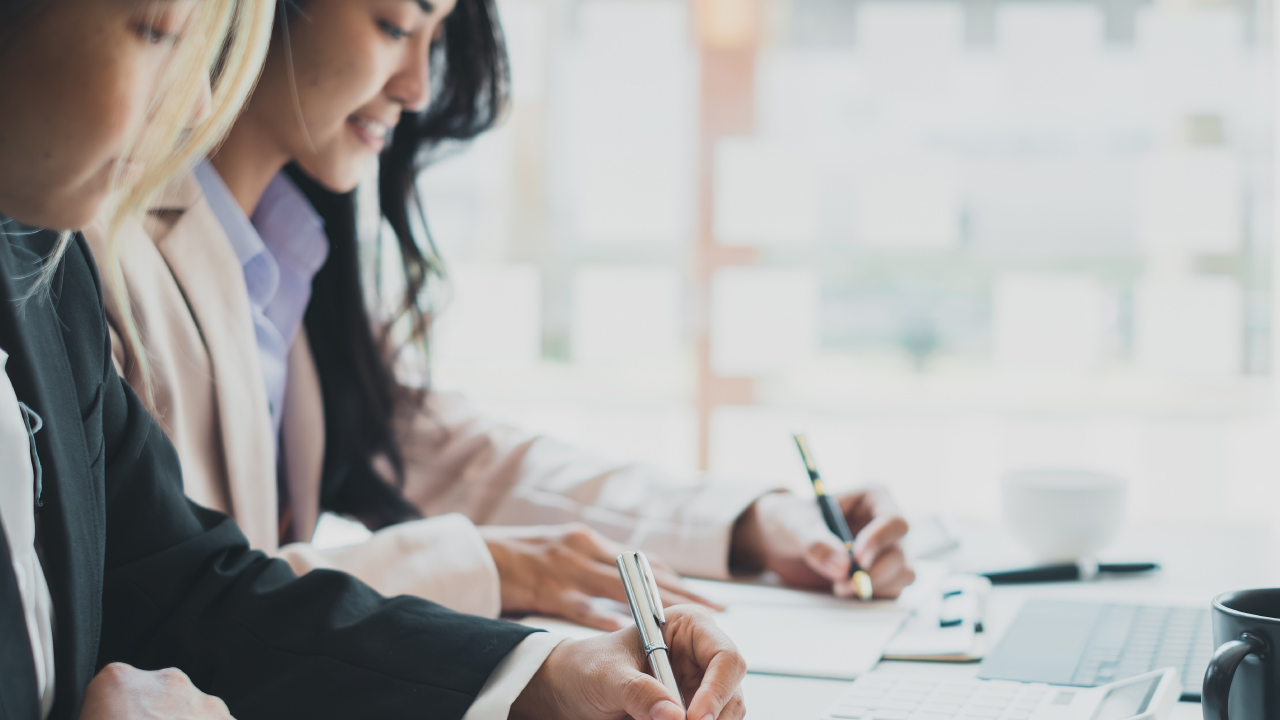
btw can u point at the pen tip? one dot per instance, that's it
(862, 583)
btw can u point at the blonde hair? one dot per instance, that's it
(225, 40)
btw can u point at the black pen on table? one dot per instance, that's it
(836, 523)
(1085, 569)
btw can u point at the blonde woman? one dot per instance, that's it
(251, 372)
(118, 597)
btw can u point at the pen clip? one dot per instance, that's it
(637, 580)
(651, 589)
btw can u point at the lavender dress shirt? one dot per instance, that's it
(280, 248)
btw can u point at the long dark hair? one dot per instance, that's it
(13, 13)
(356, 356)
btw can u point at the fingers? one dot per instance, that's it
(891, 573)
(675, 593)
(698, 643)
(591, 543)
(882, 534)
(644, 698)
(878, 551)
(721, 684)
(597, 572)
(735, 709)
(576, 605)
(828, 557)
(122, 691)
(863, 505)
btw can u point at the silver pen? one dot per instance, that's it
(646, 608)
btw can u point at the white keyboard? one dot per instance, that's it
(882, 696)
(891, 694)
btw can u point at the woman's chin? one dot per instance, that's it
(339, 180)
(66, 211)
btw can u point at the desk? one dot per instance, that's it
(1197, 565)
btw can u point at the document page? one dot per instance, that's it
(789, 632)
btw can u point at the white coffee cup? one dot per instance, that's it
(1064, 514)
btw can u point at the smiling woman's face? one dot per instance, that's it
(81, 74)
(335, 86)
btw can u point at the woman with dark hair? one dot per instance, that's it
(260, 357)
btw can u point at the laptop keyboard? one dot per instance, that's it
(882, 696)
(1130, 640)
(1090, 643)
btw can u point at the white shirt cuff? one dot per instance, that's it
(511, 676)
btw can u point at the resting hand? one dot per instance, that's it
(785, 533)
(557, 569)
(607, 677)
(123, 692)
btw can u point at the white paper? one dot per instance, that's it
(789, 632)
(808, 634)
(838, 643)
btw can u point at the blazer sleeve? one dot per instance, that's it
(183, 589)
(459, 461)
(441, 558)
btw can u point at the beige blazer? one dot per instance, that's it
(190, 303)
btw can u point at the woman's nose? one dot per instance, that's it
(411, 86)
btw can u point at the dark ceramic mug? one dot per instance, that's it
(1243, 679)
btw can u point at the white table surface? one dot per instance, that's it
(1197, 564)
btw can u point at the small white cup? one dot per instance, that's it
(1064, 515)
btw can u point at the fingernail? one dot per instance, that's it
(666, 710)
(708, 716)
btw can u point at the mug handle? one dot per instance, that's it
(1222, 670)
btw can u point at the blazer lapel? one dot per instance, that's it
(210, 276)
(71, 522)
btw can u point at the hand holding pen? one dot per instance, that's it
(700, 669)
(784, 533)
(833, 516)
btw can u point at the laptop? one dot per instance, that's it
(1087, 644)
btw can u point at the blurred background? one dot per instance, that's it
(945, 238)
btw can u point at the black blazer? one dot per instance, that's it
(139, 574)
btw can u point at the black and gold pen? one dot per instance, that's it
(834, 516)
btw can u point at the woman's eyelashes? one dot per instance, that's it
(393, 31)
(154, 34)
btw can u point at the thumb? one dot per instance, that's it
(644, 698)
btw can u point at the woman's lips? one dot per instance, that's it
(371, 131)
